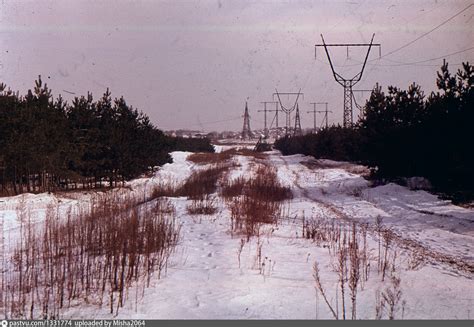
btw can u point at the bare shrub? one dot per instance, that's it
(365, 257)
(341, 271)
(379, 229)
(258, 256)
(387, 240)
(416, 260)
(319, 287)
(390, 300)
(348, 246)
(354, 274)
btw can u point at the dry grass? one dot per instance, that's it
(352, 259)
(263, 185)
(202, 182)
(205, 206)
(94, 257)
(256, 201)
(203, 158)
(232, 188)
(164, 189)
(248, 214)
(248, 153)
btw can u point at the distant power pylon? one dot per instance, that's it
(348, 120)
(314, 112)
(246, 132)
(288, 110)
(297, 130)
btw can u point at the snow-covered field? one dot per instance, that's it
(206, 280)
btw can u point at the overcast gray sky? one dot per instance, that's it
(193, 64)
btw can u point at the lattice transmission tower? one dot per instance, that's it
(288, 110)
(246, 131)
(348, 119)
(297, 130)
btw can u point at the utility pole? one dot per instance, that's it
(265, 130)
(246, 132)
(288, 110)
(348, 120)
(326, 115)
(314, 112)
(265, 110)
(314, 116)
(276, 113)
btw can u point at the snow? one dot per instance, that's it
(414, 214)
(204, 281)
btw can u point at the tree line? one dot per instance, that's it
(403, 133)
(47, 144)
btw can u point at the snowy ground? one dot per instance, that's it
(415, 215)
(204, 280)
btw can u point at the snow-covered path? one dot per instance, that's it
(416, 216)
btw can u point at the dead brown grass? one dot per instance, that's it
(264, 185)
(164, 189)
(248, 214)
(256, 201)
(232, 188)
(199, 184)
(204, 206)
(203, 158)
(92, 257)
(202, 182)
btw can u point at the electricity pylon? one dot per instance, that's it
(246, 132)
(348, 120)
(265, 110)
(297, 130)
(288, 110)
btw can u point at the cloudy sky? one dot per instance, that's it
(193, 64)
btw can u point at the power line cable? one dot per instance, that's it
(428, 32)
(215, 122)
(400, 63)
(417, 63)
(410, 43)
